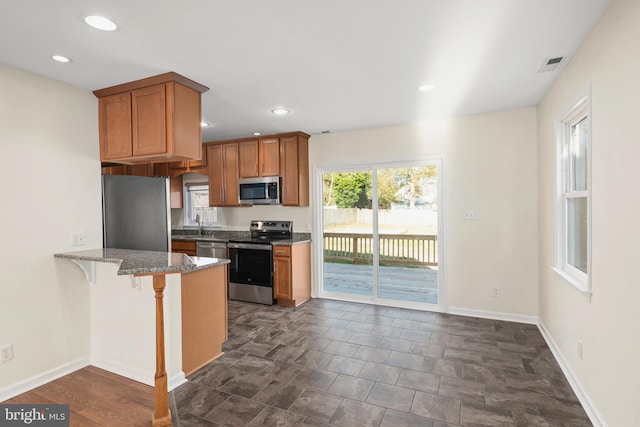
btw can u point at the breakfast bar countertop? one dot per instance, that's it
(134, 262)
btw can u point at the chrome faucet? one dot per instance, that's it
(200, 226)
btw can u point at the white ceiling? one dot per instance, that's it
(336, 64)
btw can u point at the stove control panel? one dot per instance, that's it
(265, 226)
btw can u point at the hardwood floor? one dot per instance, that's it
(96, 398)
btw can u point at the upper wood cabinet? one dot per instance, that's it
(285, 155)
(223, 174)
(294, 163)
(192, 166)
(157, 118)
(260, 157)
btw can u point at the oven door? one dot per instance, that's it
(251, 264)
(251, 272)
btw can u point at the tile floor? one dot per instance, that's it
(331, 363)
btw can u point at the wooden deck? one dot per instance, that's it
(400, 283)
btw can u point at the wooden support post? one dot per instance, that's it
(355, 249)
(161, 413)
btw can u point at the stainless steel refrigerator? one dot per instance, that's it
(136, 213)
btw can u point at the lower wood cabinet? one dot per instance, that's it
(292, 274)
(204, 317)
(184, 247)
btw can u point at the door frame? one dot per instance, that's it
(317, 290)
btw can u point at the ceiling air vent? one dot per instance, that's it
(550, 64)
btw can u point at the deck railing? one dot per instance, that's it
(397, 249)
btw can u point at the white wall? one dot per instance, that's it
(123, 325)
(609, 325)
(239, 218)
(490, 165)
(50, 188)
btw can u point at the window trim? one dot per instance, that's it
(579, 109)
(192, 182)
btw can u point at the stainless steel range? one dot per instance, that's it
(251, 269)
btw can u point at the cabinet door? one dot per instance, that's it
(199, 163)
(282, 278)
(248, 159)
(115, 170)
(149, 120)
(115, 126)
(230, 190)
(175, 191)
(269, 159)
(216, 175)
(161, 169)
(141, 170)
(180, 246)
(289, 158)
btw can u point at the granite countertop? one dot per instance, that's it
(145, 262)
(297, 239)
(227, 235)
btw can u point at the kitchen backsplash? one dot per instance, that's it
(239, 218)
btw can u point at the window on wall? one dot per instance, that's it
(573, 207)
(196, 203)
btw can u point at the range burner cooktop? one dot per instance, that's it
(268, 231)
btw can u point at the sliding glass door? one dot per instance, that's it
(380, 229)
(347, 233)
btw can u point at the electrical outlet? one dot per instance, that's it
(496, 292)
(6, 353)
(78, 238)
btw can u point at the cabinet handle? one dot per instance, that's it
(281, 252)
(274, 266)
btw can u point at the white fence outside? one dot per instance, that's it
(397, 217)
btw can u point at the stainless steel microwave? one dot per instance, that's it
(260, 191)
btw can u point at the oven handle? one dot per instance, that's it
(255, 246)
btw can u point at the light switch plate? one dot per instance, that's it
(471, 215)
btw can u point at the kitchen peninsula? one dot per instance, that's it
(127, 289)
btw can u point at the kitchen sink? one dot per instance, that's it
(195, 237)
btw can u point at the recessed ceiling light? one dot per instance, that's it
(204, 124)
(257, 133)
(100, 23)
(60, 58)
(427, 87)
(280, 111)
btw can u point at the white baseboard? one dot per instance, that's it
(176, 381)
(142, 376)
(494, 315)
(589, 407)
(41, 379)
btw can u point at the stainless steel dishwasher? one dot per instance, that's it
(211, 249)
